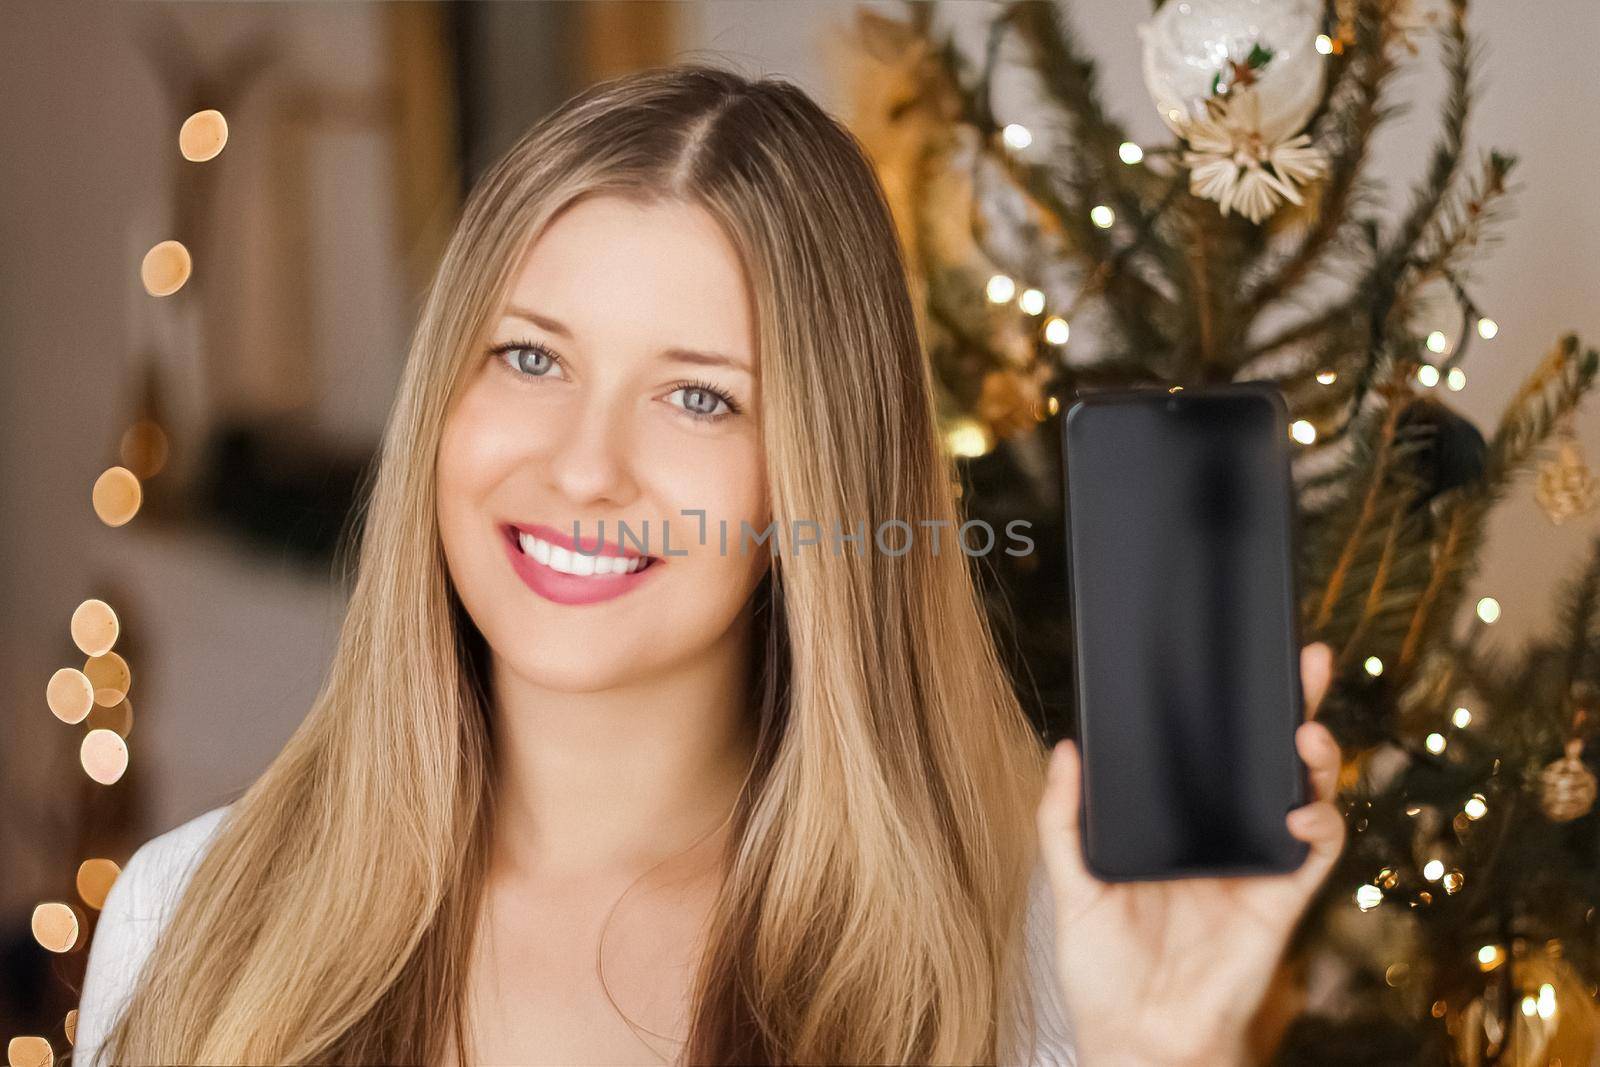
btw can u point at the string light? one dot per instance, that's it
(1056, 331)
(1031, 301)
(1475, 808)
(1327, 377)
(1373, 665)
(110, 676)
(1303, 431)
(1102, 216)
(94, 627)
(103, 755)
(967, 438)
(1000, 289)
(1324, 44)
(1435, 743)
(1456, 379)
(1436, 342)
(1461, 717)
(165, 268)
(70, 695)
(1488, 609)
(1490, 957)
(1433, 870)
(55, 926)
(1487, 328)
(1368, 897)
(1016, 136)
(1129, 153)
(29, 1052)
(116, 496)
(203, 136)
(1428, 375)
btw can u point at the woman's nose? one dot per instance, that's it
(591, 459)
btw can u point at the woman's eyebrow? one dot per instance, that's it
(673, 355)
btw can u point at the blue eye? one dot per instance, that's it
(703, 401)
(527, 357)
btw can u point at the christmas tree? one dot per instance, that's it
(1053, 258)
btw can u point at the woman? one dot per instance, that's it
(574, 795)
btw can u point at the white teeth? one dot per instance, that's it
(569, 562)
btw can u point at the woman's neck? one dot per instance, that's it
(612, 781)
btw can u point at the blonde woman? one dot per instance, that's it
(576, 796)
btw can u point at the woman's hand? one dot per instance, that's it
(1170, 972)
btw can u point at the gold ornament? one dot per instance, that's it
(1566, 487)
(1567, 786)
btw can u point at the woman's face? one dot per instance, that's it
(617, 385)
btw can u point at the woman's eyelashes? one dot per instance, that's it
(701, 401)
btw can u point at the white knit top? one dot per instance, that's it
(151, 883)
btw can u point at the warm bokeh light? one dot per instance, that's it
(70, 695)
(143, 448)
(1455, 379)
(116, 496)
(1428, 375)
(29, 1052)
(1368, 897)
(1016, 135)
(1303, 431)
(165, 268)
(1437, 342)
(967, 438)
(1102, 216)
(118, 718)
(104, 756)
(1056, 331)
(1327, 377)
(1435, 743)
(203, 135)
(1475, 807)
(70, 1025)
(1489, 957)
(95, 878)
(1000, 289)
(94, 627)
(1373, 665)
(1129, 153)
(1031, 301)
(1488, 609)
(1487, 328)
(110, 676)
(1461, 717)
(55, 926)
(1433, 870)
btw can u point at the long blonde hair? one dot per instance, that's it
(878, 865)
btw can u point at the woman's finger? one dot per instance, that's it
(1321, 825)
(1320, 751)
(1316, 669)
(1058, 822)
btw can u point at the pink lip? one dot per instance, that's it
(572, 588)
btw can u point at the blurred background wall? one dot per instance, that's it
(354, 130)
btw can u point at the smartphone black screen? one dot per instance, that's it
(1187, 658)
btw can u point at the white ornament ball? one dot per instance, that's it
(1188, 43)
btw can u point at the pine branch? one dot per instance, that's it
(1346, 129)
(1555, 388)
(1578, 619)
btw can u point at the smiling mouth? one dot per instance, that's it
(564, 560)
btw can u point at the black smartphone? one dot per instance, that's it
(1181, 562)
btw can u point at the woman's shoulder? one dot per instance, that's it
(131, 917)
(154, 876)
